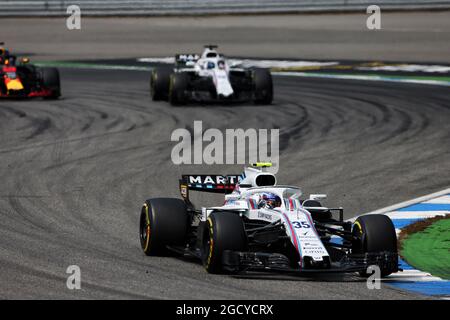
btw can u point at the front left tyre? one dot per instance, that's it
(163, 222)
(262, 86)
(375, 233)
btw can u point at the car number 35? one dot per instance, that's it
(300, 224)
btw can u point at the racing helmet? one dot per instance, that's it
(221, 64)
(269, 200)
(11, 60)
(210, 65)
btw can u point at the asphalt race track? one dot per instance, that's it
(74, 174)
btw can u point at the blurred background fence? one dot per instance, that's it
(198, 7)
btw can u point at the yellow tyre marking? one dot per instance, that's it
(211, 243)
(147, 240)
(359, 227)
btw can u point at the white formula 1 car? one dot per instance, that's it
(263, 226)
(209, 77)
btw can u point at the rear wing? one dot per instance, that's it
(181, 60)
(208, 183)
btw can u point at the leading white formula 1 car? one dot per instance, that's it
(263, 226)
(209, 77)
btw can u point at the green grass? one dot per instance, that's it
(429, 250)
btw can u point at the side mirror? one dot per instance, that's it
(317, 196)
(25, 60)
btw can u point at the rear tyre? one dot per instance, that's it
(263, 86)
(163, 222)
(159, 83)
(177, 89)
(51, 81)
(374, 233)
(223, 231)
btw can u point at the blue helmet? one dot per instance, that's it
(270, 200)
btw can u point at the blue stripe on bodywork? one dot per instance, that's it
(337, 240)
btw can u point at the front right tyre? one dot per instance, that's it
(50, 80)
(223, 231)
(177, 89)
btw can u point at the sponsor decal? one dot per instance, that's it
(187, 57)
(213, 179)
(264, 215)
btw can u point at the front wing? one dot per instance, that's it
(235, 261)
(37, 93)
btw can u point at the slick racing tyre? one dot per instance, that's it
(374, 233)
(223, 231)
(263, 87)
(159, 83)
(163, 222)
(51, 81)
(177, 89)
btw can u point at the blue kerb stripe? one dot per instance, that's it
(403, 265)
(401, 223)
(427, 207)
(441, 288)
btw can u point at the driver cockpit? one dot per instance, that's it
(269, 200)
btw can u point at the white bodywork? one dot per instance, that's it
(213, 65)
(296, 219)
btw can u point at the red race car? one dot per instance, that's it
(19, 79)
